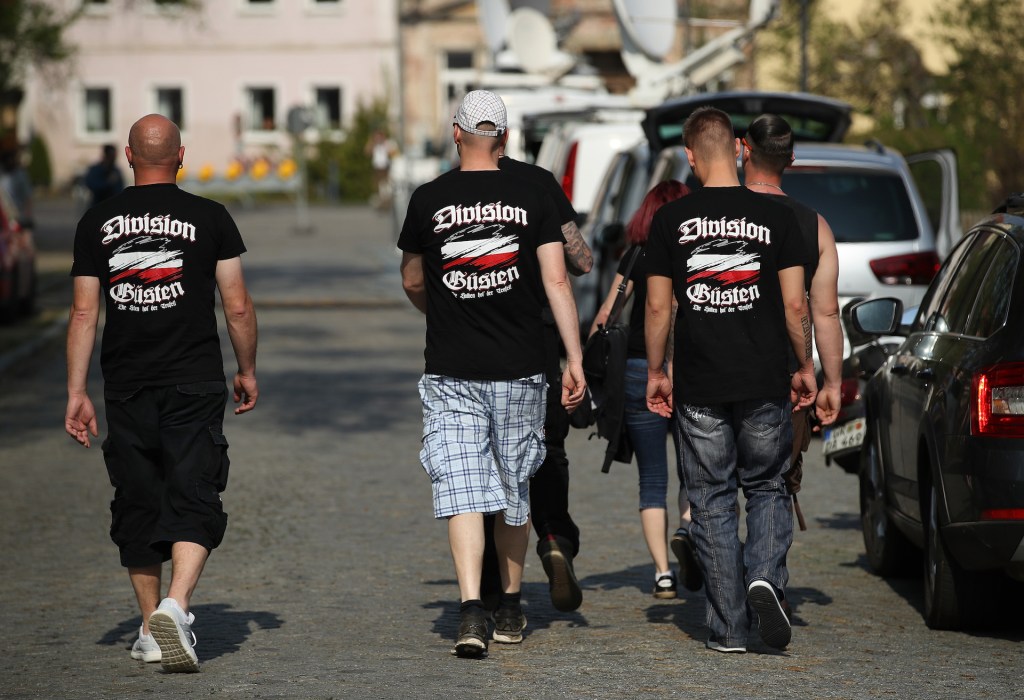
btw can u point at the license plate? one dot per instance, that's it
(844, 438)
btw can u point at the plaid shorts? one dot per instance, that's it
(482, 441)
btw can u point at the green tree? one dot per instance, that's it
(31, 33)
(349, 159)
(985, 87)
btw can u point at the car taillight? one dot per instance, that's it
(997, 401)
(1003, 514)
(913, 268)
(849, 391)
(570, 171)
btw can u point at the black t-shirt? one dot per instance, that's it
(636, 346)
(478, 233)
(807, 220)
(543, 178)
(155, 249)
(723, 248)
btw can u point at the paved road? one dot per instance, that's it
(335, 582)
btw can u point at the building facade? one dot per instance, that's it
(227, 71)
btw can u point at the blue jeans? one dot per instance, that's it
(647, 433)
(745, 444)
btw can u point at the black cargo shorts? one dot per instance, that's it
(167, 460)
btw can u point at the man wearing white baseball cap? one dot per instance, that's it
(481, 251)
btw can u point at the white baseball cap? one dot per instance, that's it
(481, 106)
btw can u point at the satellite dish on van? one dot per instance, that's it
(493, 16)
(533, 41)
(648, 27)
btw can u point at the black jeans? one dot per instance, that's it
(549, 486)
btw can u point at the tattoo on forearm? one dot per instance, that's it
(805, 324)
(577, 254)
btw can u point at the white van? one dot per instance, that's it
(578, 153)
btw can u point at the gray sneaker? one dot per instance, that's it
(172, 630)
(145, 648)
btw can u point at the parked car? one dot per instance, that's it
(17, 263)
(618, 196)
(577, 153)
(942, 465)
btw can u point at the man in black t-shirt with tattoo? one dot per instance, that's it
(156, 254)
(481, 251)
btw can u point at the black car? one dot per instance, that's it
(942, 465)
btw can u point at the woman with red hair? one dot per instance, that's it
(648, 431)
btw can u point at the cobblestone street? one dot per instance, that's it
(334, 581)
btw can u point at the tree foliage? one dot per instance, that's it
(347, 164)
(977, 108)
(31, 33)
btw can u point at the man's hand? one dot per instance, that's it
(803, 389)
(827, 404)
(80, 418)
(659, 393)
(246, 392)
(574, 385)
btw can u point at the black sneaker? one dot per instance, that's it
(472, 638)
(665, 587)
(772, 621)
(509, 623)
(689, 569)
(565, 591)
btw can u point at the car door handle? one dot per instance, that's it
(898, 370)
(926, 374)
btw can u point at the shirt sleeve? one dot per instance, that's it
(83, 263)
(658, 256)
(549, 230)
(231, 245)
(792, 252)
(409, 238)
(566, 212)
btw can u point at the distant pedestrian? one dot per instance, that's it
(381, 150)
(14, 179)
(648, 432)
(104, 178)
(156, 254)
(734, 260)
(481, 250)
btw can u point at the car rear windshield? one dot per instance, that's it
(861, 207)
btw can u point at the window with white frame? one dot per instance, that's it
(170, 102)
(261, 108)
(97, 110)
(327, 106)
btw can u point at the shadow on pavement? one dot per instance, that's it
(221, 630)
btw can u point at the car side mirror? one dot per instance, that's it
(878, 316)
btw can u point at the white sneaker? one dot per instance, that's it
(145, 648)
(715, 645)
(172, 630)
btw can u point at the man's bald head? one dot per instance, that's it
(154, 140)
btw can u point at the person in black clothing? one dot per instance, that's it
(156, 255)
(103, 178)
(734, 261)
(558, 537)
(481, 250)
(648, 431)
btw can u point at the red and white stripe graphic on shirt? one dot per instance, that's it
(483, 254)
(734, 268)
(146, 265)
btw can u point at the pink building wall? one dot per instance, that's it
(213, 56)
